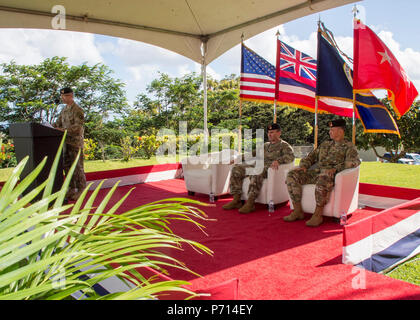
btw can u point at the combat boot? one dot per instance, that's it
(248, 206)
(297, 213)
(316, 218)
(236, 203)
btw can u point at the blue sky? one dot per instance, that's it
(137, 64)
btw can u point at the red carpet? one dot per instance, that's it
(271, 258)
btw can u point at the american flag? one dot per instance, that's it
(257, 77)
(297, 83)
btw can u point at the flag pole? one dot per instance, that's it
(354, 119)
(277, 82)
(240, 127)
(353, 134)
(316, 123)
(275, 112)
(317, 98)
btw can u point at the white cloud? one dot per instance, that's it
(29, 46)
(143, 62)
(408, 58)
(137, 64)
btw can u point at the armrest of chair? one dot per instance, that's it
(220, 177)
(346, 190)
(194, 162)
(276, 180)
(348, 176)
(280, 173)
(223, 157)
(206, 160)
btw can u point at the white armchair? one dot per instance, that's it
(344, 197)
(208, 173)
(273, 188)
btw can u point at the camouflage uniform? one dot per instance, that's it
(280, 151)
(71, 119)
(329, 155)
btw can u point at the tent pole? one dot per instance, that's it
(205, 102)
(204, 72)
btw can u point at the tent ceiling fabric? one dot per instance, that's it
(177, 25)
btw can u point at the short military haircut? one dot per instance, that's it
(273, 126)
(341, 123)
(66, 90)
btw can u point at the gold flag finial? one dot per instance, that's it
(355, 11)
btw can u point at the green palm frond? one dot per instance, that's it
(49, 250)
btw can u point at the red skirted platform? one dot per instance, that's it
(270, 258)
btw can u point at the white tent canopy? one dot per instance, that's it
(197, 29)
(178, 25)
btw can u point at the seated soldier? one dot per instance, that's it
(320, 168)
(276, 152)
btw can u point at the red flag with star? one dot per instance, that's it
(375, 67)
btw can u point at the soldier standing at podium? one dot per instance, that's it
(71, 119)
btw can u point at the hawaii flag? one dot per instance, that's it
(297, 80)
(375, 67)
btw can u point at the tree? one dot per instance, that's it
(103, 133)
(175, 99)
(223, 103)
(31, 93)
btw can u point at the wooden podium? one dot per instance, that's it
(37, 141)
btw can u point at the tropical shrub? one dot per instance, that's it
(113, 152)
(7, 154)
(48, 248)
(147, 145)
(89, 149)
(127, 147)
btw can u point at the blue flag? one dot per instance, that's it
(335, 81)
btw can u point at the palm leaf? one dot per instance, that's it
(45, 240)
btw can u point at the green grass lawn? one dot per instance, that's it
(99, 165)
(408, 271)
(389, 174)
